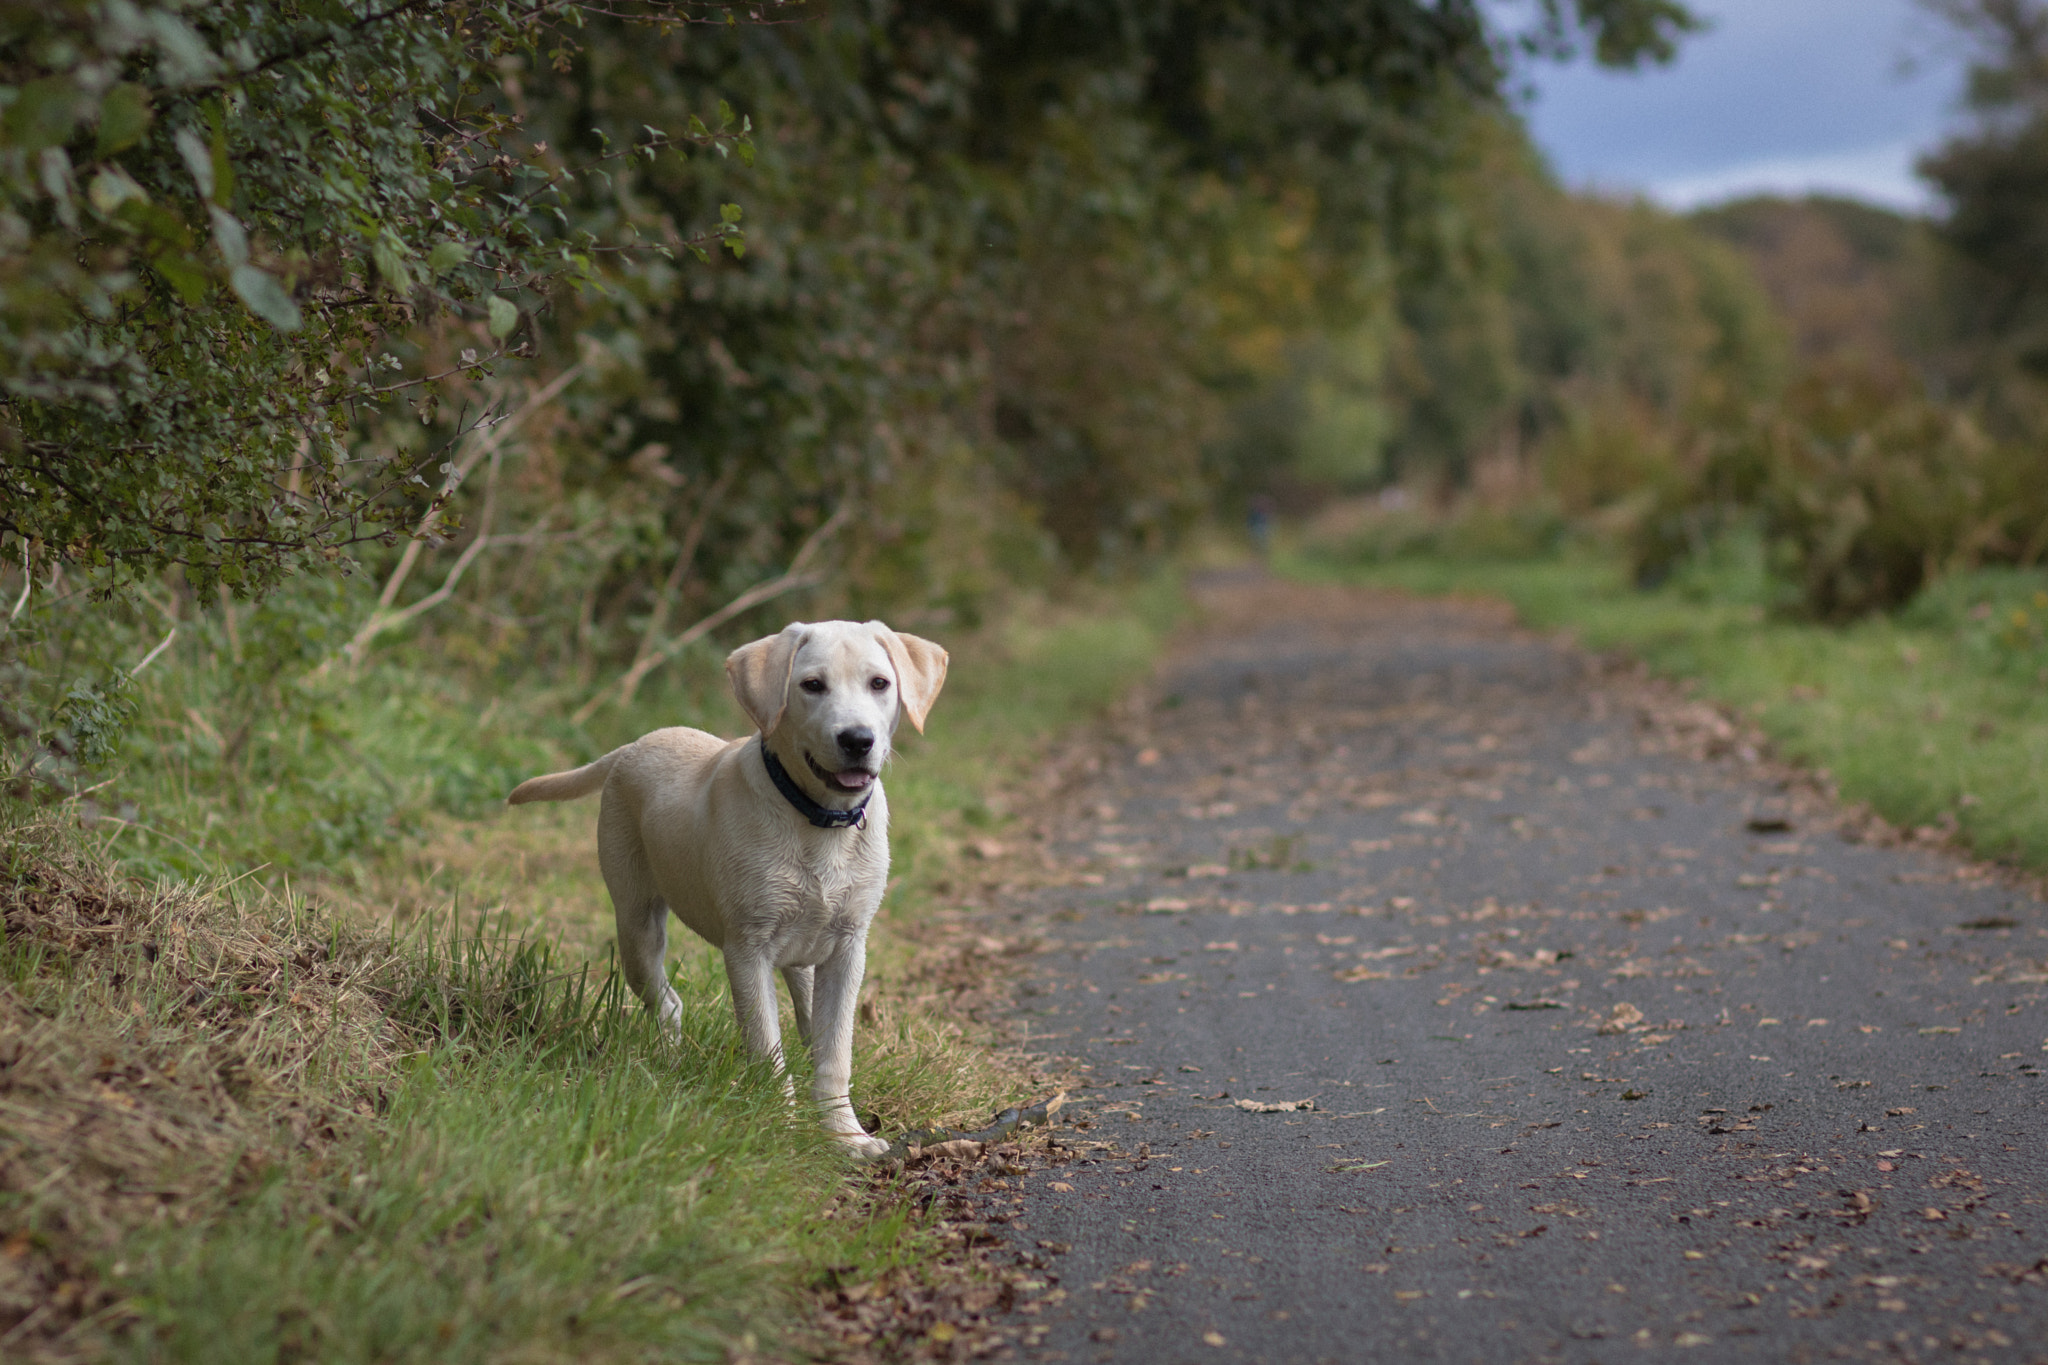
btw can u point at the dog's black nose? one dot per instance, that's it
(856, 742)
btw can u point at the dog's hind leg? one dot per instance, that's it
(799, 981)
(643, 944)
(642, 918)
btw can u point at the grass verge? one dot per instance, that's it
(1936, 718)
(239, 1121)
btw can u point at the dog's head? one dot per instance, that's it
(827, 697)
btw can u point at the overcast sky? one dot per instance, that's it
(1781, 96)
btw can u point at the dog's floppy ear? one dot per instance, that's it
(759, 674)
(920, 672)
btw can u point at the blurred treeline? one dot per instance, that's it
(1030, 293)
(1820, 405)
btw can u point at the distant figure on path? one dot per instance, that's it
(1258, 523)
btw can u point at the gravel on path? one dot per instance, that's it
(1439, 992)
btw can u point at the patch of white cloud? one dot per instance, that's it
(1879, 175)
(1777, 96)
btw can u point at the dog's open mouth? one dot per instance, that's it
(845, 780)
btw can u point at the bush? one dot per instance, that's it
(1607, 455)
(1866, 490)
(1999, 616)
(1395, 526)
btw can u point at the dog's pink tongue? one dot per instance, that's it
(853, 779)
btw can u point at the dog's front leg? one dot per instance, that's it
(799, 979)
(752, 977)
(833, 1006)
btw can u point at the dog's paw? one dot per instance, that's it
(861, 1145)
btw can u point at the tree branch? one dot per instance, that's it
(657, 621)
(489, 445)
(789, 580)
(381, 621)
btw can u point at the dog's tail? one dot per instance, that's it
(565, 786)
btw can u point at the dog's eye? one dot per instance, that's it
(814, 685)
(878, 684)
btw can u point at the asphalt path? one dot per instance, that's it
(1618, 1045)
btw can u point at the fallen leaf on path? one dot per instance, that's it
(1352, 1167)
(1277, 1106)
(959, 1149)
(2037, 1273)
(1165, 905)
(1533, 1005)
(1213, 1338)
(1362, 974)
(1623, 1018)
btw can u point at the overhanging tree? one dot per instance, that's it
(219, 224)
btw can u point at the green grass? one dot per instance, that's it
(375, 1140)
(638, 1200)
(1936, 716)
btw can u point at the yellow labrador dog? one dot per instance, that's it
(774, 848)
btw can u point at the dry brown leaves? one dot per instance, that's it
(156, 1047)
(947, 1310)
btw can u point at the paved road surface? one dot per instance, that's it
(1616, 1050)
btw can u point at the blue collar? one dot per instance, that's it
(824, 817)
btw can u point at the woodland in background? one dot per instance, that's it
(1021, 295)
(1010, 290)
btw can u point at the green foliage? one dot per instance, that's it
(218, 226)
(1993, 178)
(1997, 617)
(1405, 533)
(1865, 490)
(1008, 268)
(1854, 283)
(1526, 322)
(92, 717)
